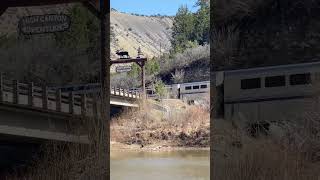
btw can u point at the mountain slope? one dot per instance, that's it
(130, 31)
(150, 33)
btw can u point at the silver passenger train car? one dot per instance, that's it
(194, 90)
(190, 92)
(269, 93)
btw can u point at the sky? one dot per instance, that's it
(152, 7)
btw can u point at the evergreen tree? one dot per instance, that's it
(182, 30)
(202, 22)
(191, 29)
(152, 67)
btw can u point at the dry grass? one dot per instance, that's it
(292, 156)
(188, 126)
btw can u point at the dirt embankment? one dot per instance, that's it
(182, 127)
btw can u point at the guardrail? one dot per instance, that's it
(28, 95)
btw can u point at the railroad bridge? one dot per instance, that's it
(29, 112)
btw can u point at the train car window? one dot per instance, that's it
(187, 88)
(298, 79)
(195, 87)
(203, 86)
(275, 81)
(253, 83)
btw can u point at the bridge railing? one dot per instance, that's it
(28, 95)
(95, 88)
(124, 92)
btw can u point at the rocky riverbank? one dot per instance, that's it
(118, 147)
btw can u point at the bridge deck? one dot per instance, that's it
(41, 98)
(39, 113)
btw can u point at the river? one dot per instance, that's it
(176, 165)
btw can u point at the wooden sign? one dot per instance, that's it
(48, 23)
(121, 69)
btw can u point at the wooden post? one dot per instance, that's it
(1, 87)
(83, 104)
(105, 84)
(15, 91)
(30, 94)
(143, 80)
(114, 90)
(44, 97)
(71, 102)
(94, 106)
(58, 100)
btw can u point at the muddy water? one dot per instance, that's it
(184, 165)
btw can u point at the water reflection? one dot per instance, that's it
(186, 165)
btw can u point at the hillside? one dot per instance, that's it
(147, 32)
(266, 33)
(130, 31)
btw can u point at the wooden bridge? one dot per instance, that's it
(37, 112)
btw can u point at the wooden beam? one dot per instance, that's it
(143, 80)
(3, 9)
(15, 84)
(58, 100)
(83, 104)
(23, 3)
(104, 122)
(119, 61)
(92, 9)
(106, 7)
(44, 97)
(71, 102)
(30, 94)
(1, 88)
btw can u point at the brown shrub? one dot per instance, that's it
(188, 127)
